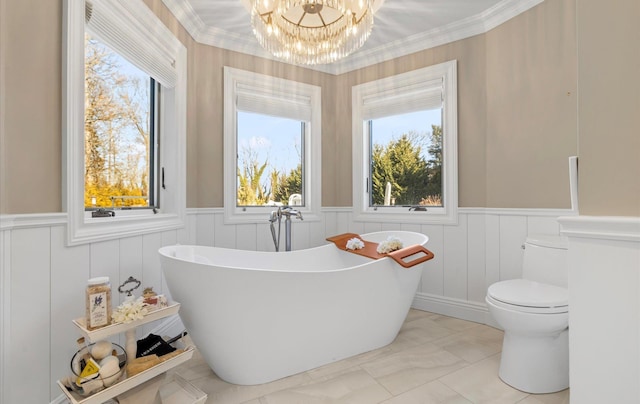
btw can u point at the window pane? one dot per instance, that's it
(118, 139)
(269, 161)
(406, 159)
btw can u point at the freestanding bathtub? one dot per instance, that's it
(261, 316)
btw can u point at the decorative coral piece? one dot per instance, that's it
(392, 243)
(355, 244)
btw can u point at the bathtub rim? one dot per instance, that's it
(165, 252)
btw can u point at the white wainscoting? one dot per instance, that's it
(604, 294)
(42, 281)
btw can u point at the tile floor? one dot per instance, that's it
(434, 359)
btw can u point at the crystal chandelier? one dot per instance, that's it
(310, 32)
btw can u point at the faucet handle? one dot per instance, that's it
(289, 211)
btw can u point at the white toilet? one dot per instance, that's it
(534, 313)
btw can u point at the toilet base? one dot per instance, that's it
(536, 364)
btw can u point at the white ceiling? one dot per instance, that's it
(400, 27)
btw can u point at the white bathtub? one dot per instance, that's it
(261, 316)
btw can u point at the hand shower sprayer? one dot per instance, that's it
(276, 215)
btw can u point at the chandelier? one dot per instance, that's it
(309, 32)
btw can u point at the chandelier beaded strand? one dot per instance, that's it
(309, 32)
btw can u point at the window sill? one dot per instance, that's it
(91, 230)
(402, 215)
(125, 214)
(254, 217)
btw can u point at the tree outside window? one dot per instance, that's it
(269, 160)
(407, 169)
(117, 131)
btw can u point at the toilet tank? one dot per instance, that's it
(545, 259)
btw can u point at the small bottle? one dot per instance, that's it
(98, 300)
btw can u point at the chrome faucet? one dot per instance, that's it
(276, 216)
(289, 211)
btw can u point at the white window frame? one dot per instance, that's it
(263, 84)
(156, 38)
(391, 90)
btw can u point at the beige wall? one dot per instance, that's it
(30, 94)
(517, 112)
(531, 108)
(609, 107)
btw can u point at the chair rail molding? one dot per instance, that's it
(8, 222)
(602, 227)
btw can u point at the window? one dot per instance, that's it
(125, 121)
(272, 146)
(406, 159)
(121, 162)
(405, 147)
(269, 163)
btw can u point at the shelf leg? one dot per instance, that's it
(131, 345)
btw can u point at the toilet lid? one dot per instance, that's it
(526, 293)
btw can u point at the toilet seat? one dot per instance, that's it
(529, 296)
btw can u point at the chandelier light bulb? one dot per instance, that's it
(269, 25)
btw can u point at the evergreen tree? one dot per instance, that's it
(400, 163)
(287, 185)
(434, 188)
(414, 180)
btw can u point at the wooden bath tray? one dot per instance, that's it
(370, 250)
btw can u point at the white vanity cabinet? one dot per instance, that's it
(133, 381)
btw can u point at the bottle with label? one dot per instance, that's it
(98, 300)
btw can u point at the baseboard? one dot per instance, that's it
(449, 306)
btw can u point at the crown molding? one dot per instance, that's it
(212, 36)
(504, 11)
(468, 27)
(455, 31)
(232, 41)
(187, 16)
(465, 28)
